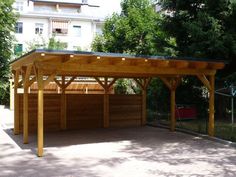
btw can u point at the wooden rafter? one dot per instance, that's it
(112, 82)
(27, 76)
(166, 82)
(100, 82)
(143, 83)
(31, 81)
(69, 82)
(146, 82)
(205, 81)
(171, 82)
(58, 83)
(139, 82)
(49, 79)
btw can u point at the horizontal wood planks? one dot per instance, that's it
(125, 110)
(51, 112)
(84, 111)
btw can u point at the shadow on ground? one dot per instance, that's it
(143, 151)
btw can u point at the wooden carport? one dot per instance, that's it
(45, 66)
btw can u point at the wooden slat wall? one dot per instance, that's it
(125, 110)
(51, 112)
(84, 111)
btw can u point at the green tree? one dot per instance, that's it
(202, 28)
(55, 44)
(136, 30)
(7, 22)
(40, 43)
(36, 43)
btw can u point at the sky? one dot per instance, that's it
(107, 6)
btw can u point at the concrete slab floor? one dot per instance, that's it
(131, 152)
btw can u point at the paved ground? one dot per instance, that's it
(128, 152)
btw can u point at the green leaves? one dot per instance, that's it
(137, 30)
(7, 22)
(202, 28)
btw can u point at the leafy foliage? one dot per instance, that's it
(136, 30)
(36, 43)
(202, 28)
(126, 86)
(7, 21)
(55, 44)
(41, 43)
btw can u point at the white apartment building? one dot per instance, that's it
(73, 22)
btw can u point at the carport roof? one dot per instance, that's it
(115, 64)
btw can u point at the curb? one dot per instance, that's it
(214, 139)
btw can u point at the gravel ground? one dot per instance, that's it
(127, 152)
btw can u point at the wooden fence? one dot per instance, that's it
(84, 111)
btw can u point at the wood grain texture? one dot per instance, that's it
(83, 111)
(125, 110)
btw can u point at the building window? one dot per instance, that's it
(18, 48)
(60, 27)
(99, 31)
(38, 28)
(84, 1)
(19, 27)
(77, 31)
(19, 6)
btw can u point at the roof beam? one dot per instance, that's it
(113, 70)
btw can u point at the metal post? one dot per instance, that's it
(232, 110)
(232, 105)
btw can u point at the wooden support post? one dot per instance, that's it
(211, 106)
(172, 83)
(106, 86)
(210, 85)
(143, 84)
(63, 105)
(40, 113)
(106, 120)
(172, 108)
(26, 106)
(25, 116)
(11, 94)
(144, 106)
(16, 104)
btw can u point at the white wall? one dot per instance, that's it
(88, 28)
(28, 34)
(84, 41)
